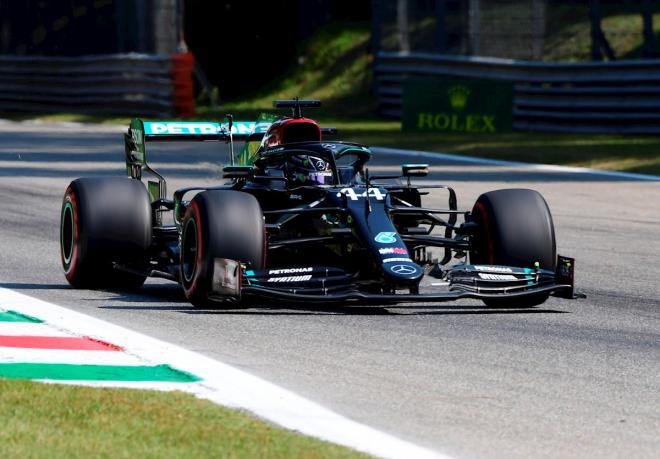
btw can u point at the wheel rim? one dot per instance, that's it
(67, 233)
(189, 250)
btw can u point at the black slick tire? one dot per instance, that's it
(515, 229)
(103, 221)
(219, 224)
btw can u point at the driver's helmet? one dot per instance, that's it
(308, 170)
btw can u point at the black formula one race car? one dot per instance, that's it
(301, 219)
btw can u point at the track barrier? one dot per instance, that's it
(121, 84)
(590, 97)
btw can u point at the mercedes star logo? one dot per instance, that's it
(403, 269)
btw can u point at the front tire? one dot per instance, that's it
(219, 224)
(515, 229)
(103, 221)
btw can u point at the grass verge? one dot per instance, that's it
(334, 66)
(639, 154)
(51, 421)
(569, 31)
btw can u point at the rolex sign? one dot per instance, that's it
(457, 106)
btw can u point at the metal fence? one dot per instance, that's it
(622, 96)
(125, 84)
(548, 30)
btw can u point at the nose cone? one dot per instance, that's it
(404, 272)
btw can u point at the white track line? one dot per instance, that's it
(224, 384)
(31, 329)
(530, 166)
(21, 355)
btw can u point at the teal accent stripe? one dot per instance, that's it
(13, 316)
(64, 372)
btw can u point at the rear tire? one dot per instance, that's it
(103, 221)
(515, 229)
(219, 224)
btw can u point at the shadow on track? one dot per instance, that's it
(354, 310)
(28, 286)
(375, 311)
(169, 294)
(261, 309)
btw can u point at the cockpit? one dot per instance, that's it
(315, 163)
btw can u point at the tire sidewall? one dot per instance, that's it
(239, 237)
(71, 263)
(529, 229)
(110, 220)
(530, 237)
(195, 288)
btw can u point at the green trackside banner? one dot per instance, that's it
(460, 106)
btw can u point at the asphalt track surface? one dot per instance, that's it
(566, 379)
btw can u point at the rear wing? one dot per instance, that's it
(140, 132)
(202, 130)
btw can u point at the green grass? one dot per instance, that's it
(335, 67)
(59, 421)
(640, 154)
(569, 33)
(506, 28)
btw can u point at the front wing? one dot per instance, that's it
(330, 285)
(358, 296)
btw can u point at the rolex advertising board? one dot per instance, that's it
(459, 106)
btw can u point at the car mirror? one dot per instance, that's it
(415, 170)
(236, 172)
